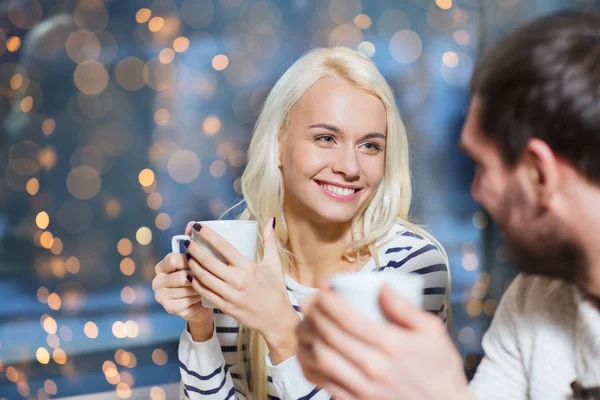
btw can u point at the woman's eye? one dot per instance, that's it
(325, 139)
(372, 146)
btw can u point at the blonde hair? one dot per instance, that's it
(262, 181)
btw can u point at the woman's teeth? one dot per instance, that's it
(338, 190)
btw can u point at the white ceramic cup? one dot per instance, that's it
(241, 234)
(361, 290)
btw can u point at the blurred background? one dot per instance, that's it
(122, 120)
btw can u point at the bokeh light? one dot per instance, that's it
(159, 357)
(91, 330)
(143, 235)
(220, 62)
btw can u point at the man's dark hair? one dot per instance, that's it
(543, 81)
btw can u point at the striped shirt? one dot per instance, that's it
(213, 369)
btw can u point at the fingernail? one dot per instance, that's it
(186, 243)
(197, 227)
(188, 256)
(189, 278)
(274, 220)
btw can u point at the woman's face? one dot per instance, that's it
(333, 151)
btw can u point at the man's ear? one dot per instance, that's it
(544, 169)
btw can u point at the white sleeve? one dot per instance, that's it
(204, 372)
(501, 373)
(289, 382)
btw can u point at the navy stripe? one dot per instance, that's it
(217, 311)
(229, 349)
(225, 329)
(435, 290)
(186, 393)
(197, 375)
(311, 394)
(397, 249)
(269, 397)
(398, 264)
(270, 379)
(431, 268)
(230, 394)
(206, 392)
(413, 235)
(296, 308)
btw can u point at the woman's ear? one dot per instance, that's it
(280, 153)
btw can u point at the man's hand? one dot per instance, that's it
(411, 357)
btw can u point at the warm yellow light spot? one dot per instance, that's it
(220, 62)
(159, 357)
(23, 388)
(131, 329)
(124, 247)
(50, 387)
(474, 307)
(181, 44)
(16, 81)
(50, 325)
(42, 220)
(53, 341)
(212, 125)
(157, 393)
(146, 177)
(444, 4)
(113, 379)
(72, 265)
(489, 307)
(143, 235)
(33, 186)
(123, 390)
(57, 246)
(128, 295)
(90, 77)
(119, 354)
(48, 126)
(54, 301)
(59, 355)
(112, 208)
(143, 15)
(13, 43)
(42, 355)
(118, 329)
(163, 221)
(108, 365)
(161, 116)
(479, 290)
(42, 294)
(91, 330)
(12, 374)
(27, 104)
(57, 266)
(166, 55)
(450, 59)
(47, 240)
(156, 24)
(155, 201)
(131, 360)
(362, 21)
(47, 157)
(127, 266)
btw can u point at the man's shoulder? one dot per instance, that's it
(533, 294)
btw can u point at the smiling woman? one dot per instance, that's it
(328, 181)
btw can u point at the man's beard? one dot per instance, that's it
(536, 242)
(553, 257)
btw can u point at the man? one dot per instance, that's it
(533, 129)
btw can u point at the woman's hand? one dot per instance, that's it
(174, 289)
(252, 292)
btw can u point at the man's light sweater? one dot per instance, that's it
(545, 335)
